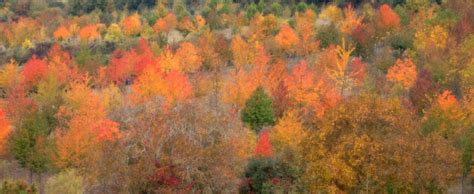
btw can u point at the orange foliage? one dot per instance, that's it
(61, 65)
(87, 126)
(286, 38)
(173, 86)
(403, 72)
(34, 70)
(189, 58)
(261, 58)
(62, 33)
(5, 129)
(305, 27)
(166, 23)
(132, 25)
(315, 95)
(388, 18)
(351, 20)
(178, 87)
(89, 33)
(240, 87)
(187, 24)
(241, 52)
(447, 101)
(264, 147)
(106, 130)
(201, 22)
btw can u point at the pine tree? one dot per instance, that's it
(258, 110)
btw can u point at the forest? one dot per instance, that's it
(228, 96)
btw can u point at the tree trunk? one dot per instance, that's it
(30, 177)
(41, 185)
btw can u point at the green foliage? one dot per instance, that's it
(252, 9)
(444, 17)
(16, 187)
(328, 35)
(402, 13)
(258, 110)
(68, 181)
(267, 175)
(29, 144)
(79, 7)
(402, 41)
(276, 9)
(301, 7)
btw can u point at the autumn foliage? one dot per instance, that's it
(264, 147)
(403, 72)
(388, 18)
(34, 70)
(224, 96)
(5, 130)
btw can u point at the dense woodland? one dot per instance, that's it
(221, 96)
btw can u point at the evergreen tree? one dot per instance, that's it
(258, 110)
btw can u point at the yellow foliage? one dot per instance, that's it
(331, 13)
(241, 52)
(287, 133)
(10, 75)
(427, 38)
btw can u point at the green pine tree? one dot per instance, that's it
(258, 110)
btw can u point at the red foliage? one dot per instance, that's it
(121, 65)
(106, 130)
(264, 148)
(124, 64)
(357, 70)
(164, 176)
(18, 104)
(5, 130)
(423, 90)
(388, 18)
(34, 70)
(281, 99)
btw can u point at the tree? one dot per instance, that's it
(5, 130)
(34, 70)
(67, 181)
(89, 33)
(62, 33)
(346, 152)
(165, 24)
(114, 33)
(288, 133)
(267, 175)
(403, 73)
(189, 58)
(387, 18)
(258, 111)
(30, 145)
(264, 147)
(132, 25)
(344, 73)
(286, 38)
(241, 52)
